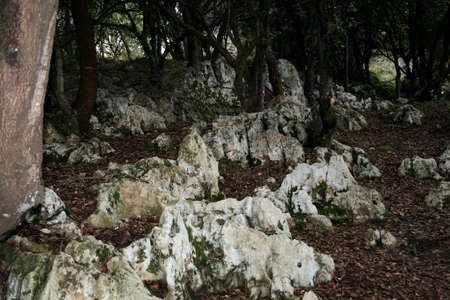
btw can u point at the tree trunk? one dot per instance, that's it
(87, 92)
(57, 82)
(26, 40)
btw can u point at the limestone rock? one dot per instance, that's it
(328, 188)
(292, 84)
(421, 168)
(274, 134)
(407, 114)
(74, 274)
(444, 162)
(76, 151)
(350, 101)
(138, 120)
(151, 184)
(51, 213)
(356, 160)
(350, 119)
(381, 238)
(310, 296)
(383, 105)
(439, 197)
(163, 141)
(197, 159)
(211, 246)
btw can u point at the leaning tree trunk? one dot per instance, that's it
(87, 92)
(26, 38)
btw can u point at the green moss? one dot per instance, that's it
(49, 157)
(103, 254)
(327, 156)
(38, 265)
(385, 148)
(279, 225)
(116, 199)
(215, 197)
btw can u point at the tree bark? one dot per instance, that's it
(26, 40)
(57, 83)
(87, 92)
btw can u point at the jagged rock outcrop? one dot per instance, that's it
(326, 188)
(421, 168)
(444, 162)
(406, 114)
(439, 197)
(73, 274)
(75, 151)
(274, 134)
(117, 114)
(206, 247)
(151, 184)
(51, 213)
(349, 119)
(356, 160)
(163, 141)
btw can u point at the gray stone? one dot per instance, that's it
(163, 141)
(149, 185)
(439, 197)
(212, 246)
(421, 168)
(407, 114)
(274, 134)
(74, 274)
(381, 238)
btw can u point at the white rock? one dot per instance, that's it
(274, 134)
(151, 184)
(407, 114)
(421, 168)
(163, 141)
(63, 276)
(381, 238)
(310, 296)
(444, 162)
(212, 246)
(439, 197)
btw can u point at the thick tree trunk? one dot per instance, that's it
(87, 92)
(26, 40)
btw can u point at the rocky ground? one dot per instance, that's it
(417, 266)
(419, 269)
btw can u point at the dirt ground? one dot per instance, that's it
(420, 269)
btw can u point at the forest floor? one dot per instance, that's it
(419, 269)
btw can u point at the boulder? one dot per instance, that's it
(76, 151)
(350, 101)
(439, 197)
(349, 119)
(310, 295)
(421, 168)
(274, 134)
(327, 188)
(163, 141)
(444, 162)
(406, 114)
(151, 184)
(51, 213)
(74, 273)
(381, 238)
(204, 247)
(383, 105)
(356, 160)
(292, 84)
